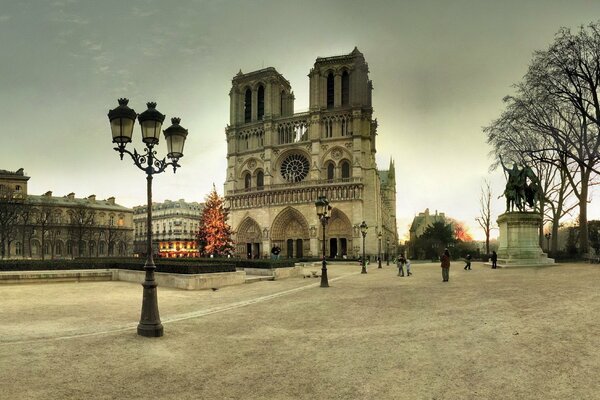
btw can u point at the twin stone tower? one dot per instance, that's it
(279, 162)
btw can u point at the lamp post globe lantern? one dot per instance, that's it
(122, 120)
(363, 230)
(323, 209)
(151, 121)
(379, 236)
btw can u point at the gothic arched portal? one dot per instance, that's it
(290, 233)
(249, 238)
(339, 233)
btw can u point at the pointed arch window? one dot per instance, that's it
(345, 88)
(281, 103)
(248, 105)
(261, 102)
(260, 180)
(330, 90)
(247, 181)
(330, 171)
(345, 170)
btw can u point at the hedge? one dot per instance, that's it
(136, 264)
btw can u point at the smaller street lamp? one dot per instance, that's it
(548, 236)
(323, 208)
(363, 230)
(387, 251)
(379, 236)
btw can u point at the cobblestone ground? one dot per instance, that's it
(530, 333)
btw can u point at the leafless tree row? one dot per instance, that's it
(24, 222)
(552, 123)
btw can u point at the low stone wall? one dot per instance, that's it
(276, 273)
(9, 277)
(184, 281)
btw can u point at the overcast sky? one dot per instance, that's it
(439, 69)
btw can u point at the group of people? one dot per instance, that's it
(445, 263)
(402, 262)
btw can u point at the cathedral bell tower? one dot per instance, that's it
(279, 162)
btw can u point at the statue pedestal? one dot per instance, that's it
(518, 244)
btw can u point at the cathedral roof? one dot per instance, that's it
(268, 72)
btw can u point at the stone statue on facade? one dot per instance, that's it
(522, 187)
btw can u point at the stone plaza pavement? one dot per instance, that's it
(520, 333)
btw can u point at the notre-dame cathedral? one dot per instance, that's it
(279, 162)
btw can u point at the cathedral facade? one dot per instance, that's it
(279, 162)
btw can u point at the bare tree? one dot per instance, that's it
(82, 220)
(10, 209)
(485, 218)
(555, 113)
(27, 228)
(43, 219)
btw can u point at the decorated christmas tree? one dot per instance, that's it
(214, 236)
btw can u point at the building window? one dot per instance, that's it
(294, 168)
(92, 247)
(330, 90)
(101, 248)
(328, 128)
(345, 170)
(345, 88)
(281, 103)
(248, 105)
(18, 188)
(260, 180)
(58, 249)
(69, 248)
(344, 127)
(330, 171)
(18, 248)
(111, 220)
(46, 248)
(247, 181)
(261, 102)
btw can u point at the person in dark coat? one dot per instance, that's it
(494, 259)
(468, 262)
(445, 258)
(401, 262)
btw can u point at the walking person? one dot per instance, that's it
(494, 259)
(408, 273)
(445, 258)
(468, 262)
(400, 263)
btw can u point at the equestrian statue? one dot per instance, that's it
(522, 187)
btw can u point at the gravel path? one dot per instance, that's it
(529, 333)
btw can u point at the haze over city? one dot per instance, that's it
(439, 69)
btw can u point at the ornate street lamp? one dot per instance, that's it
(548, 236)
(379, 249)
(323, 208)
(122, 120)
(387, 251)
(363, 230)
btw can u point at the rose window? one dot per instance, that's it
(294, 168)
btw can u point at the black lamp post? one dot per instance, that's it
(379, 250)
(363, 230)
(548, 236)
(122, 120)
(387, 251)
(323, 208)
